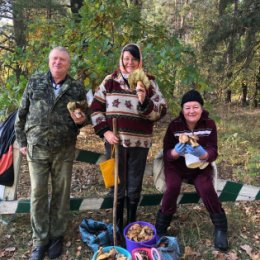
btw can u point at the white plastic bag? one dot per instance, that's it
(158, 172)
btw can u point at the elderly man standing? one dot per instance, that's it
(46, 132)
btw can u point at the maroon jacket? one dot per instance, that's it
(205, 130)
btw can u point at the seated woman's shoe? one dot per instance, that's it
(162, 223)
(220, 234)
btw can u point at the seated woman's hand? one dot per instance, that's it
(180, 148)
(198, 151)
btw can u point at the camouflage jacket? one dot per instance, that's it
(43, 118)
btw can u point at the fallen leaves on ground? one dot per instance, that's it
(248, 249)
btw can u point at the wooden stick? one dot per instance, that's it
(115, 184)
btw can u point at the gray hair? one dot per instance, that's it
(62, 49)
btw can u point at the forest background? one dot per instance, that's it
(210, 45)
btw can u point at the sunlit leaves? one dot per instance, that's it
(95, 42)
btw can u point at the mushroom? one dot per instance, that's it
(183, 138)
(192, 140)
(77, 107)
(136, 76)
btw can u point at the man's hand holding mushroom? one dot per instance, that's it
(77, 111)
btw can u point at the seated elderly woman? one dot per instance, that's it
(192, 121)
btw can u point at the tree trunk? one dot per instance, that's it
(49, 9)
(75, 6)
(137, 2)
(19, 33)
(231, 44)
(244, 93)
(228, 96)
(256, 97)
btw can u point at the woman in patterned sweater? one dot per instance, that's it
(136, 110)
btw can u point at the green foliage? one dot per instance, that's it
(231, 43)
(108, 27)
(95, 43)
(253, 165)
(223, 35)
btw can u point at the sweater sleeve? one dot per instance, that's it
(154, 106)
(169, 142)
(212, 143)
(98, 110)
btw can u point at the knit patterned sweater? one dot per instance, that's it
(114, 99)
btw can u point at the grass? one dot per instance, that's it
(239, 142)
(239, 154)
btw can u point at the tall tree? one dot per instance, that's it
(75, 5)
(15, 16)
(234, 34)
(95, 41)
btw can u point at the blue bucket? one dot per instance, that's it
(121, 250)
(131, 245)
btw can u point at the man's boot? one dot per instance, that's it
(162, 223)
(220, 234)
(38, 252)
(131, 211)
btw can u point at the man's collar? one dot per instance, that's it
(53, 81)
